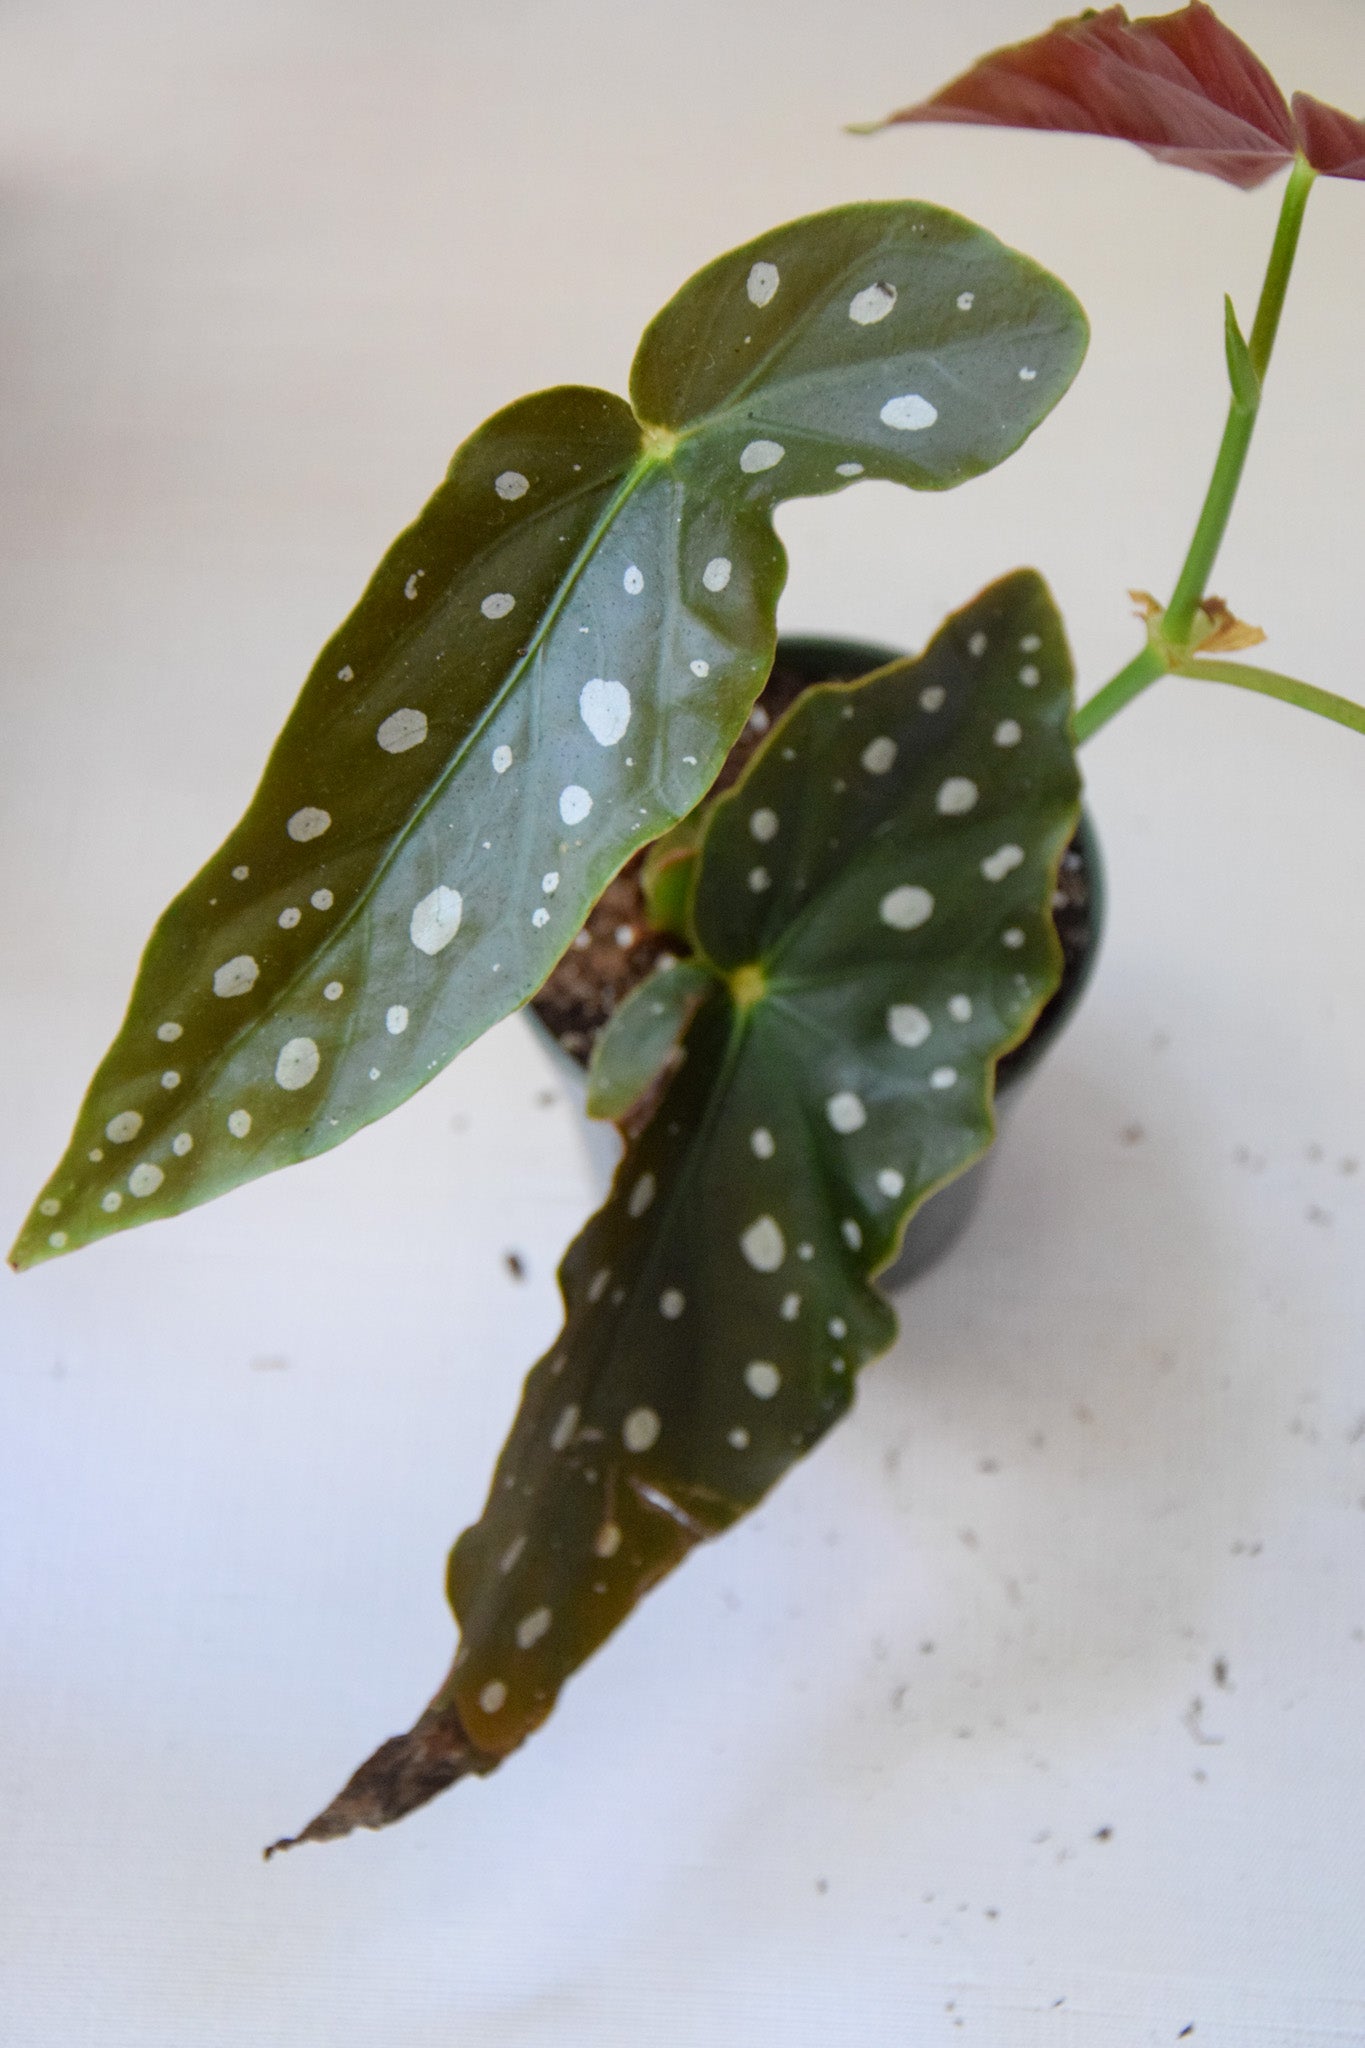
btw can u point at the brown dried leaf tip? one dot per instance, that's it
(403, 1774)
(1181, 86)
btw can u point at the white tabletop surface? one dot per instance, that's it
(1030, 1709)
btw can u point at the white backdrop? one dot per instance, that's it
(1029, 1710)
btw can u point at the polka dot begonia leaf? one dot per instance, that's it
(546, 671)
(845, 1024)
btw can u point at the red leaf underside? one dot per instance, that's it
(1181, 86)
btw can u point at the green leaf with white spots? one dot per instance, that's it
(873, 904)
(547, 670)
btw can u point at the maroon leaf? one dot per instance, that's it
(1333, 142)
(1182, 86)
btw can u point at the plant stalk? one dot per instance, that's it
(1164, 652)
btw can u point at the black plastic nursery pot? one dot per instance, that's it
(800, 662)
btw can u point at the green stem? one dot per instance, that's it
(1266, 682)
(1147, 667)
(1159, 657)
(1242, 416)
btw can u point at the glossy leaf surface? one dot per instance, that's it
(548, 668)
(874, 902)
(1181, 85)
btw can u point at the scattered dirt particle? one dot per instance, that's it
(1185, 2032)
(1132, 1134)
(991, 1912)
(1241, 1548)
(1193, 1719)
(926, 1649)
(1313, 1153)
(271, 1363)
(1315, 1213)
(1220, 1674)
(546, 1098)
(822, 1885)
(898, 1697)
(1082, 1413)
(988, 1465)
(515, 1264)
(1348, 1166)
(969, 1539)
(1104, 1834)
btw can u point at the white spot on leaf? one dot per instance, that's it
(436, 919)
(977, 645)
(493, 1698)
(497, 604)
(168, 1033)
(762, 283)
(642, 1194)
(909, 414)
(308, 823)
(672, 1302)
(965, 301)
(640, 1430)
(716, 574)
(287, 919)
(879, 755)
(1008, 733)
(763, 1245)
(604, 707)
(846, 1112)
(933, 697)
(851, 1232)
(396, 1020)
(566, 1429)
(322, 899)
(235, 976)
(700, 668)
(763, 824)
(549, 883)
(297, 1064)
(960, 1009)
(574, 804)
(762, 1379)
(956, 796)
(607, 1541)
(760, 455)
(906, 908)
(144, 1180)
(182, 1143)
(511, 485)
(333, 992)
(908, 1024)
(890, 1182)
(402, 730)
(871, 304)
(633, 581)
(123, 1128)
(239, 1122)
(849, 469)
(759, 880)
(761, 1143)
(170, 1079)
(502, 760)
(1002, 862)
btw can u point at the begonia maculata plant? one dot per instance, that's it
(545, 676)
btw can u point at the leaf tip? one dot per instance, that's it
(403, 1774)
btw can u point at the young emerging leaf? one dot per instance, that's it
(641, 1040)
(873, 906)
(547, 670)
(1182, 86)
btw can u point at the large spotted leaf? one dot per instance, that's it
(873, 903)
(547, 670)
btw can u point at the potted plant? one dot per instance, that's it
(546, 677)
